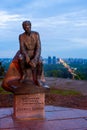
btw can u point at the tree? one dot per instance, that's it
(1, 70)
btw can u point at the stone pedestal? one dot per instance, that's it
(29, 106)
(29, 101)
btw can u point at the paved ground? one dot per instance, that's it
(56, 118)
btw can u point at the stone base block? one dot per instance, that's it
(29, 106)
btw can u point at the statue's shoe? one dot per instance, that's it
(43, 84)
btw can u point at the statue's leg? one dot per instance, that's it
(34, 75)
(40, 71)
(40, 75)
(22, 67)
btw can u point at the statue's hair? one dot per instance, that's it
(26, 22)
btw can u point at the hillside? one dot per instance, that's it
(68, 84)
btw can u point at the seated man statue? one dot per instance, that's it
(27, 63)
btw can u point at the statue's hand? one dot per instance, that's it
(27, 59)
(32, 64)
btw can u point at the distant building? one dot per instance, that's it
(49, 60)
(54, 60)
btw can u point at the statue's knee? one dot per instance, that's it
(21, 57)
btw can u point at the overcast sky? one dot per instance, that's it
(62, 25)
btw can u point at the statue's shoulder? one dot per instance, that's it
(34, 33)
(22, 34)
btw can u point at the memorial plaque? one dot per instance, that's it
(30, 106)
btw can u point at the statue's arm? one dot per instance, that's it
(38, 48)
(22, 48)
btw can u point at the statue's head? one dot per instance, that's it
(27, 26)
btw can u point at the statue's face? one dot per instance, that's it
(27, 27)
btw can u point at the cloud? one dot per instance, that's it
(81, 42)
(62, 24)
(48, 3)
(8, 17)
(5, 17)
(81, 24)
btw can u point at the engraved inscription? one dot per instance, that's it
(27, 103)
(31, 100)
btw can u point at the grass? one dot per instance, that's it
(64, 92)
(2, 91)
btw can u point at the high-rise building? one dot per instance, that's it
(54, 60)
(49, 60)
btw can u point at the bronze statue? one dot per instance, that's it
(27, 63)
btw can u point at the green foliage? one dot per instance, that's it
(64, 92)
(6, 66)
(2, 91)
(58, 70)
(1, 70)
(81, 71)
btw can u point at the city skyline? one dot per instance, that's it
(62, 26)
